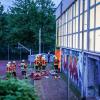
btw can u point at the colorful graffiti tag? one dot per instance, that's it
(72, 62)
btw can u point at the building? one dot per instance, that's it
(78, 38)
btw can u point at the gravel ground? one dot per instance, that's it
(53, 89)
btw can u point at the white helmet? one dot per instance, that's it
(14, 62)
(8, 65)
(9, 62)
(23, 60)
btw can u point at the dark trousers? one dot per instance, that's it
(56, 68)
(14, 74)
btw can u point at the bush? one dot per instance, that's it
(14, 89)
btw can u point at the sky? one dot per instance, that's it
(8, 3)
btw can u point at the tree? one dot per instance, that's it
(22, 23)
(46, 11)
(3, 27)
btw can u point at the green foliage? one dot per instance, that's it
(22, 23)
(16, 90)
(27, 17)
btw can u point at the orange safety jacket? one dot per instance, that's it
(44, 62)
(13, 67)
(8, 69)
(25, 66)
(36, 62)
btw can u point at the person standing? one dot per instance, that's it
(36, 61)
(56, 63)
(23, 68)
(8, 70)
(48, 56)
(44, 63)
(14, 69)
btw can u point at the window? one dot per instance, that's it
(80, 41)
(97, 1)
(66, 28)
(85, 40)
(70, 26)
(66, 40)
(76, 24)
(92, 2)
(81, 6)
(62, 40)
(98, 16)
(92, 18)
(86, 4)
(77, 8)
(81, 23)
(97, 41)
(70, 41)
(74, 10)
(70, 13)
(91, 41)
(85, 21)
(76, 40)
(66, 16)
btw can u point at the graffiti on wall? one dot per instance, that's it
(72, 62)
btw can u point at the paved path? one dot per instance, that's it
(52, 89)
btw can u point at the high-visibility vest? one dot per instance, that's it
(25, 65)
(22, 66)
(36, 62)
(39, 63)
(44, 62)
(13, 67)
(8, 69)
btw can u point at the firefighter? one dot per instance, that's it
(36, 63)
(14, 69)
(8, 71)
(23, 68)
(56, 62)
(40, 62)
(44, 63)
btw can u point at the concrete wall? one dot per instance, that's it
(62, 7)
(84, 71)
(72, 62)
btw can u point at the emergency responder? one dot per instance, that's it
(23, 68)
(9, 69)
(14, 69)
(40, 62)
(36, 61)
(44, 63)
(56, 62)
